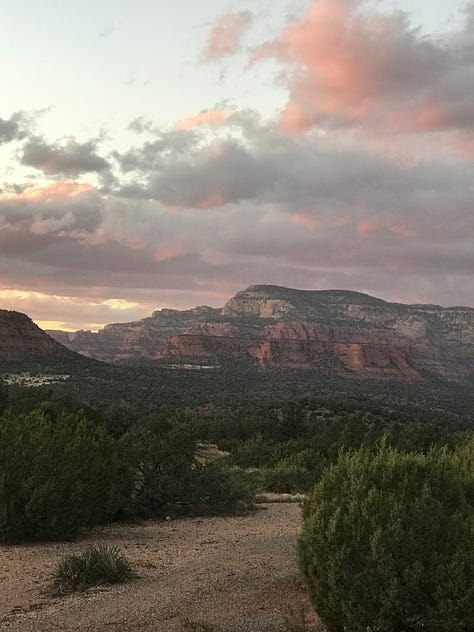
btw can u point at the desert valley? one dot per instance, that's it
(264, 393)
(237, 316)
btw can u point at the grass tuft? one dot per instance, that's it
(95, 565)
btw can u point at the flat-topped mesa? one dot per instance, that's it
(281, 328)
(344, 306)
(274, 301)
(200, 311)
(310, 296)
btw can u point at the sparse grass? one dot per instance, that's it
(95, 565)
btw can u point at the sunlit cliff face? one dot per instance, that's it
(360, 177)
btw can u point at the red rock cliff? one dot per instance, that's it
(275, 327)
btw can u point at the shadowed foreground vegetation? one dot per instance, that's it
(60, 472)
(388, 528)
(387, 541)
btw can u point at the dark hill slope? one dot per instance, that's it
(24, 346)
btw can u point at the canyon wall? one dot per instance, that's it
(281, 328)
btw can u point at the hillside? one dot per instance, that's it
(24, 346)
(282, 328)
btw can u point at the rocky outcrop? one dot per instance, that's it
(305, 345)
(273, 301)
(342, 306)
(24, 343)
(142, 339)
(282, 328)
(364, 352)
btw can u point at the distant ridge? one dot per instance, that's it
(275, 327)
(286, 293)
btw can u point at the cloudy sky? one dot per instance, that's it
(167, 154)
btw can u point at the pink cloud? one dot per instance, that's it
(348, 65)
(51, 192)
(427, 118)
(170, 250)
(372, 226)
(342, 60)
(212, 201)
(306, 220)
(211, 118)
(311, 221)
(464, 145)
(226, 35)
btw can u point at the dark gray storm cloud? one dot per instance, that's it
(69, 158)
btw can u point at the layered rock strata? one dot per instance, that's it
(282, 328)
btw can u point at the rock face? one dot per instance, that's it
(142, 339)
(282, 328)
(23, 342)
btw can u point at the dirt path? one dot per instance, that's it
(238, 573)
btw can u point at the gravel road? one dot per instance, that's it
(237, 573)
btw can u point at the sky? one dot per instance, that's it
(157, 154)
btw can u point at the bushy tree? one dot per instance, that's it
(288, 476)
(158, 462)
(57, 474)
(464, 458)
(387, 544)
(219, 489)
(163, 478)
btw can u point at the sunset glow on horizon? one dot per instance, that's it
(171, 156)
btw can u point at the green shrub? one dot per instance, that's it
(96, 565)
(286, 478)
(162, 477)
(56, 476)
(387, 544)
(219, 489)
(464, 457)
(158, 462)
(255, 452)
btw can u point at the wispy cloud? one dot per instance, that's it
(211, 118)
(225, 37)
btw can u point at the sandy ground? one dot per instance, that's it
(237, 573)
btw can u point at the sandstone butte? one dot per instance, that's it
(274, 327)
